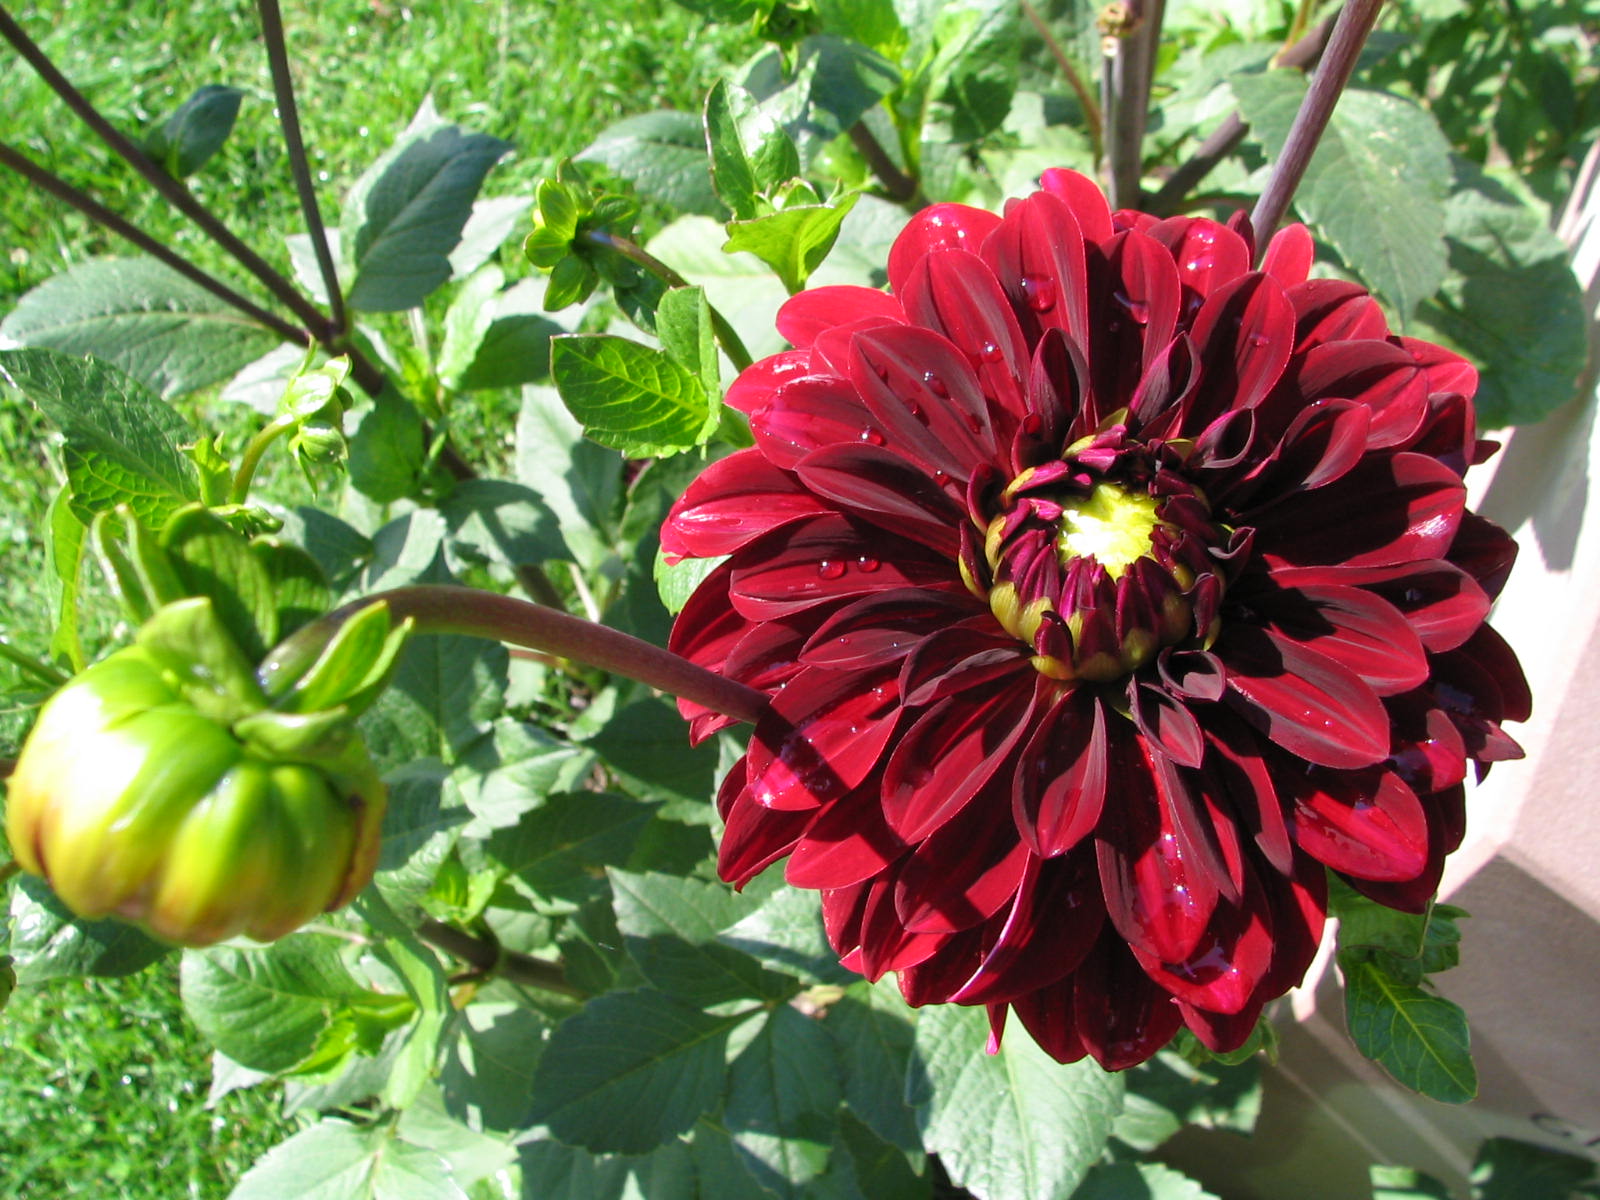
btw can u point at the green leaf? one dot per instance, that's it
(1512, 305)
(783, 1100)
(740, 286)
(786, 934)
(833, 83)
(515, 348)
(1418, 1037)
(1507, 1169)
(267, 1008)
(300, 591)
(487, 1077)
(48, 942)
(551, 1171)
(670, 928)
(873, 23)
(466, 321)
(882, 1171)
(663, 154)
(1167, 1092)
(335, 1160)
(977, 64)
(495, 520)
(195, 131)
(630, 1071)
(1139, 1181)
(630, 397)
(170, 334)
(647, 744)
(1375, 188)
(387, 450)
(559, 849)
(338, 548)
(580, 481)
(122, 444)
(1016, 1124)
(405, 215)
(211, 559)
(64, 544)
(503, 776)
(1404, 1183)
(676, 582)
(421, 825)
(793, 241)
(471, 1155)
(872, 1028)
(750, 151)
(492, 222)
(683, 322)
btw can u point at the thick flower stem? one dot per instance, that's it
(1333, 72)
(727, 338)
(487, 958)
(42, 671)
(299, 167)
(1129, 67)
(440, 608)
(897, 185)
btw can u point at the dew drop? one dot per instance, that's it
(1205, 237)
(829, 569)
(1137, 309)
(868, 565)
(1039, 292)
(871, 436)
(991, 352)
(973, 422)
(881, 370)
(1201, 262)
(935, 384)
(1258, 340)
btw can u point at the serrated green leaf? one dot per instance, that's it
(670, 926)
(515, 348)
(267, 1008)
(663, 154)
(740, 286)
(1016, 1124)
(122, 443)
(300, 591)
(873, 1030)
(387, 449)
(873, 23)
(1418, 1037)
(1375, 188)
(731, 170)
(976, 64)
(490, 224)
(495, 520)
(580, 481)
(683, 322)
(421, 825)
(471, 1154)
(338, 548)
(833, 82)
(1166, 1093)
(786, 934)
(1512, 305)
(646, 743)
(503, 776)
(631, 397)
(466, 321)
(794, 241)
(405, 215)
(195, 131)
(551, 1171)
(783, 1100)
(630, 1071)
(335, 1160)
(48, 942)
(487, 1076)
(211, 559)
(560, 849)
(140, 315)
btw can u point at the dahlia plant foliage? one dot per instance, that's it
(1057, 551)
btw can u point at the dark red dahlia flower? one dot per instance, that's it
(1109, 593)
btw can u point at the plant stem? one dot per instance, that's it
(1086, 100)
(1131, 66)
(179, 196)
(251, 458)
(490, 958)
(42, 671)
(727, 338)
(299, 167)
(897, 185)
(1350, 32)
(445, 608)
(1225, 139)
(53, 184)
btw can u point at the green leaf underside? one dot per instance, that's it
(168, 333)
(1375, 187)
(630, 1071)
(1013, 1125)
(122, 443)
(1418, 1037)
(663, 154)
(792, 242)
(339, 1161)
(630, 397)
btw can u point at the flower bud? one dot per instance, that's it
(136, 795)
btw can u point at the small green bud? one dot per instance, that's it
(169, 793)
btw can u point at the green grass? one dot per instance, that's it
(102, 1083)
(103, 1095)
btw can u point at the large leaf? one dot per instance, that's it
(122, 443)
(833, 82)
(645, 743)
(267, 1008)
(786, 934)
(1015, 1124)
(48, 942)
(551, 1171)
(1376, 186)
(1512, 305)
(170, 334)
(631, 397)
(630, 1071)
(487, 1076)
(514, 348)
(670, 928)
(404, 217)
(1419, 1037)
(336, 1160)
(793, 241)
(560, 848)
(503, 776)
(783, 1102)
(740, 286)
(1167, 1093)
(663, 154)
(1146, 1181)
(872, 1027)
(580, 481)
(495, 520)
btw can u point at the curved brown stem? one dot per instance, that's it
(1086, 98)
(490, 958)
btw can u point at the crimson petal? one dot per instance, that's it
(961, 875)
(937, 228)
(884, 627)
(734, 501)
(958, 296)
(809, 313)
(887, 490)
(1368, 824)
(820, 737)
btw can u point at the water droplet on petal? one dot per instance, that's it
(935, 384)
(1258, 340)
(871, 436)
(881, 370)
(991, 352)
(1201, 262)
(1039, 292)
(868, 565)
(1205, 236)
(830, 569)
(1137, 309)
(973, 422)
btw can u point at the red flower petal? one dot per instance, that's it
(1368, 824)
(937, 228)
(961, 875)
(1289, 255)
(734, 501)
(846, 842)
(1037, 254)
(958, 296)
(820, 737)
(1060, 783)
(1084, 197)
(808, 413)
(811, 312)
(890, 492)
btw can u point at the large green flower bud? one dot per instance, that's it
(165, 786)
